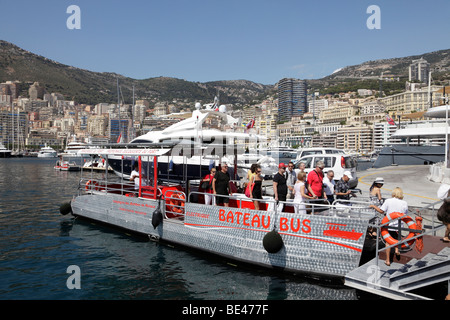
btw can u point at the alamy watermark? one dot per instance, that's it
(74, 20)
(374, 21)
(74, 280)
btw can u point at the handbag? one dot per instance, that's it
(206, 185)
(249, 189)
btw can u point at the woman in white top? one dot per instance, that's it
(300, 196)
(395, 204)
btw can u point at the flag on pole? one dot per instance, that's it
(390, 120)
(119, 140)
(251, 124)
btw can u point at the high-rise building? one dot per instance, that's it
(419, 70)
(292, 98)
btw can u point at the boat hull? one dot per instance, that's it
(238, 233)
(409, 155)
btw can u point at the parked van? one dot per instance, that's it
(339, 163)
(310, 151)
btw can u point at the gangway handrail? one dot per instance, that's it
(421, 232)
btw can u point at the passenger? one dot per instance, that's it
(221, 185)
(328, 184)
(300, 194)
(206, 184)
(342, 188)
(443, 213)
(135, 177)
(375, 192)
(301, 167)
(257, 188)
(251, 171)
(315, 181)
(394, 204)
(279, 186)
(291, 179)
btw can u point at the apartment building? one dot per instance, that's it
(292, 98)
(338, 113)
(419, 70)
(411, 101)
(355, 138)
(382, 132)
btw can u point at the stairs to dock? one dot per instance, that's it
(398, 280)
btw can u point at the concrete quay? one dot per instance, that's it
(418, 190)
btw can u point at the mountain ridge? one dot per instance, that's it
(89, 87)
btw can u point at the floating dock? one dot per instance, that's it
(402, 279)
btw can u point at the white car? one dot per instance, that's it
(339, 163)
(310, 151)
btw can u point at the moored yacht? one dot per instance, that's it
(4, 153)
(424, 142)
(210, 126)
(47, 152)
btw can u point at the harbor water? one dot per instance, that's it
(47, 256)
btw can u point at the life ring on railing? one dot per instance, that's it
(406, 219)
(90, 183)
(175, 203)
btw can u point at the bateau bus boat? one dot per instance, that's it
(329, 241)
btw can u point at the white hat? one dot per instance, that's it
(348, 174)
(379, 180)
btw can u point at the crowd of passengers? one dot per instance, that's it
(288, 184)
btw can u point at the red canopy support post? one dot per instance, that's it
(155, 175)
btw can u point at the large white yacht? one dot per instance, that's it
(424, 142)
(212, 127)
(47, 152)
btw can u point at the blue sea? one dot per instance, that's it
(47, 256)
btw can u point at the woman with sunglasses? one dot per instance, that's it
(375, 192)
(257, 179)
(209, 197)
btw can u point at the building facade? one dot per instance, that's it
(292, 98)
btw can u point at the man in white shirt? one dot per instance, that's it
(328, 183)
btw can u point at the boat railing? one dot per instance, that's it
(432, 229)
(312, 206)
(94, 185)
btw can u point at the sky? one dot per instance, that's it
(199, 40)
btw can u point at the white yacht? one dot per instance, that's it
(211, 126)
(4, 153)
(47, 152)
(424, 142)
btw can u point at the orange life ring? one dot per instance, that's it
(406, 219)
(175, 203)
(94, 183)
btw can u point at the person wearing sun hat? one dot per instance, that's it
(375, 192)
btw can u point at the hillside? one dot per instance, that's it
(90, 87)
(366, 75)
